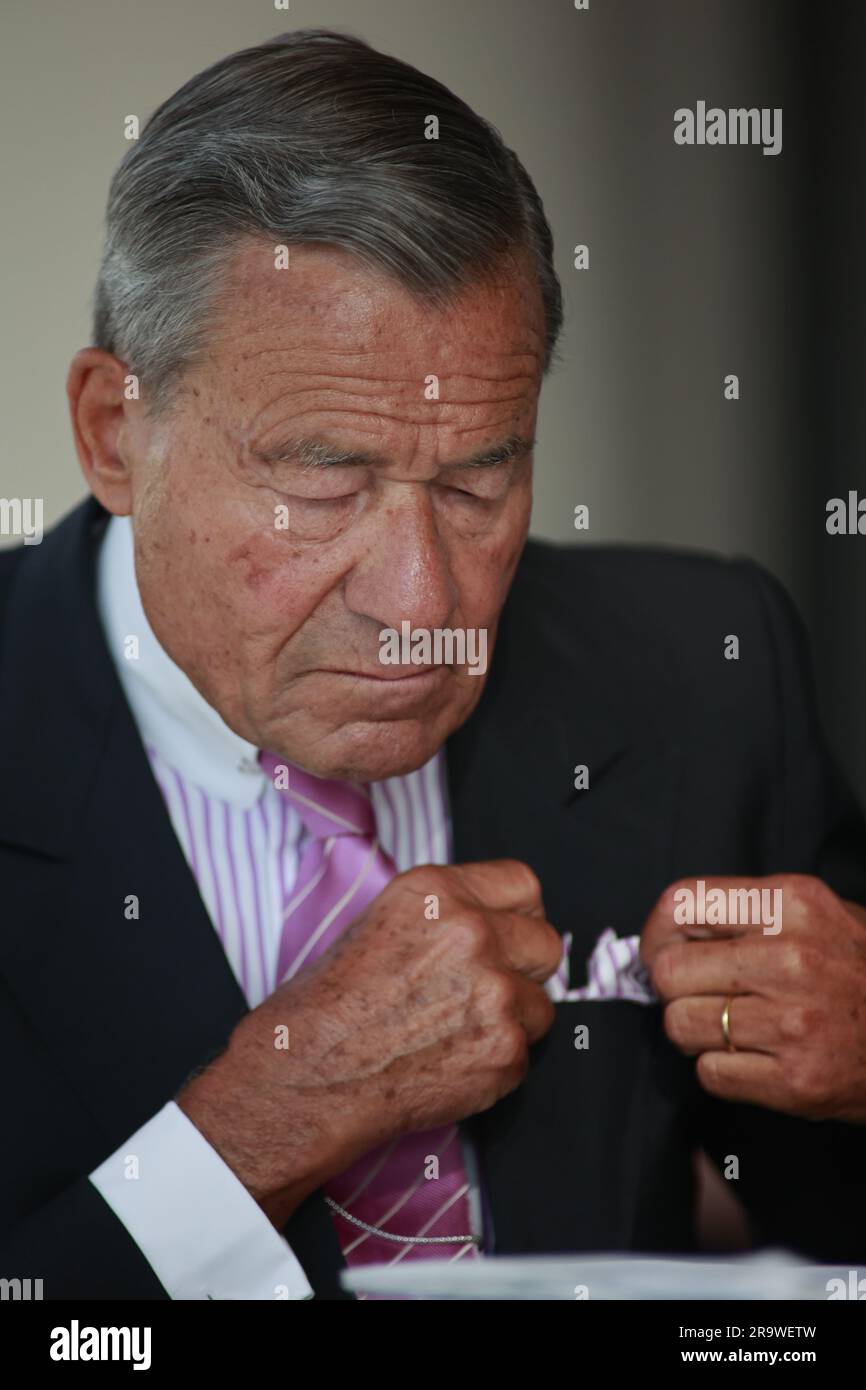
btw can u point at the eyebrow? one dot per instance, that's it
(316, 453)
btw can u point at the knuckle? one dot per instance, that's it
(529, 877)
(546, 1013)
(666, 901)
(709, 1075)
(510, 1047)
(552, 943)
(796, 1023)
(806, 900)
(469, 933)
(799, 960)
(663, 972)
(708, 1072)
(808, 890)
(500, 992)
(677, 1017)
(422, 878)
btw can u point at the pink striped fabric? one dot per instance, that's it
(416, 1185)
(246, 858)
(614, 971)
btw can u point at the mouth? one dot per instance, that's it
(418, 678)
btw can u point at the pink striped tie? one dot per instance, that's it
(342, 870)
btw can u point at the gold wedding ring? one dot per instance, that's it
(726, 1025)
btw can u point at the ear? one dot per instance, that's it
(102, 400)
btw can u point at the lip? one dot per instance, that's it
(425, 675)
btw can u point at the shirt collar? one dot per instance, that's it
(173, 718)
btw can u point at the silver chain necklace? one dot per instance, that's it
(401, 1240)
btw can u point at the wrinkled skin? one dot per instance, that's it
(798, 999)
(279, 628)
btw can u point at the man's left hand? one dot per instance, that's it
(795, 997)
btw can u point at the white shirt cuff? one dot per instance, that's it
(196, 1224)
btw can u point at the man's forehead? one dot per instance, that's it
(319, 300)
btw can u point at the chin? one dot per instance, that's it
(370, 751)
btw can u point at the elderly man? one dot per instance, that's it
(314, 958)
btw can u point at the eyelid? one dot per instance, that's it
(340, 497)
(308, 466)
(496, 474)
(493, 475)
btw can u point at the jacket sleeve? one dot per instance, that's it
(79, 1249)
(183, 1227)
(803, 1182)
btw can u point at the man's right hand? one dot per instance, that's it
(403, 1024)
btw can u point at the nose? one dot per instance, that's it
(404, 574)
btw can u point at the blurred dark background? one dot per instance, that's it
(832, 584)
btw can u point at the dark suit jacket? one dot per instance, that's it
(698, 766)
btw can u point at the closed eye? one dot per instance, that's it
(318, 501)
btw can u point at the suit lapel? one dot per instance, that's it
(511, 772)
(128, 1006)
(560, 1155)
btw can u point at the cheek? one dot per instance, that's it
(484, 571)
(277, 586)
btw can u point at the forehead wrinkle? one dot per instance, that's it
(305, 348)
(409, 388)
(331, 297)
(527, 356)
(436, 408)
(515, 365)
(502, 378)
(433, 412)
(378, 415)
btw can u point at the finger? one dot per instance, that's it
(717, 906)
(535, 1010)
(508, 885)
(694, 1023)
(752, 1077)
(530, 945)
(742, 965)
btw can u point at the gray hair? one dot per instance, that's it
(311, 137)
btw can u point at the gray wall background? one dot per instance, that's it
(702, 261)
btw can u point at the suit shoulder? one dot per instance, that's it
(626, 568)
(668, 611)
(664, 589)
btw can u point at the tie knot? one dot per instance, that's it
(327, 807)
